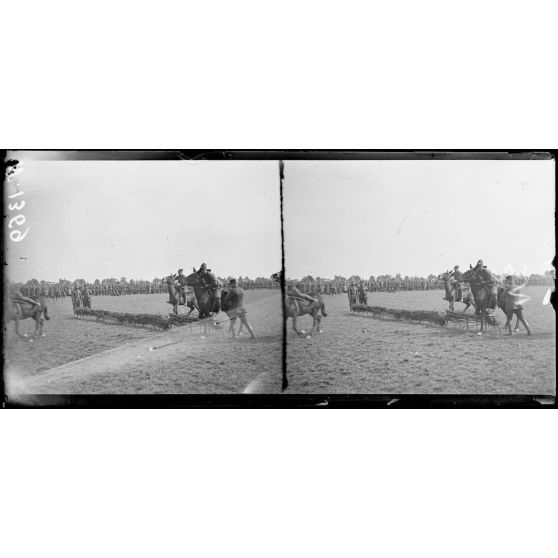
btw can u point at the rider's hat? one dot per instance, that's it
(479, 262)
(180, 270)
(232, 282)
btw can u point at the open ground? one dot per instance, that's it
(366, 355)
(80, 356)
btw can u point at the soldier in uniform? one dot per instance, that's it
(76, 298)
(455, 275)
(362, 294)
(180, 278)
(486, 276)
(233, 306)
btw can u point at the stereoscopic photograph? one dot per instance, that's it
(153, 274)
(141, 276)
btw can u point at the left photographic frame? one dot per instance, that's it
(140, 273)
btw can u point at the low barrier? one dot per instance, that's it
(161, 321)
(422, 316)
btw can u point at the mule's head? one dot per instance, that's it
(444, 276)
(469, 275)
(192, 279)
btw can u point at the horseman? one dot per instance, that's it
(455, 277)
(180, 278)
(210, 282)
(293, 292)
(484, 275)
(15, 294)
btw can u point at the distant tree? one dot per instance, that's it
(355, 278)
(308, 278)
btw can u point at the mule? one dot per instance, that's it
(296, 306)
(508, 302)
(451, 292)
(208, 300)
(177, 298)
(17, 311)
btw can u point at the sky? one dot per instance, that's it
(145, 219)
(417, 217)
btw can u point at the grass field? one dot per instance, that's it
(353, 355)
(366, 355)
(80, 356)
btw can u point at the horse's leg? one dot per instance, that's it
(520, 317)
(319, 320)
(301, 333)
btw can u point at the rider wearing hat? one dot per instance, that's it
(456, 279)
(16, 295)
(210, 282)
(484, 275)
(292, 292)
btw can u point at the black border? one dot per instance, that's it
(286, 400)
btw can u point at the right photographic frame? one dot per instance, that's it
(421, 275)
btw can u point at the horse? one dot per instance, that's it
(451, 293)
(208, 300)
(507, 302)
(17, 311)
(177, 298)
(296, 306)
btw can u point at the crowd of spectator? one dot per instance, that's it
(308, 284)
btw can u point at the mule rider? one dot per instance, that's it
(233, 301)
(16, 295)
(180, 278)
(486, 276)
(292, 292)
(210, 282)
(455, 277)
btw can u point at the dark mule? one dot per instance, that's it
(451, 292)
(508, 302)
(17, 311)
(296, 306)
(177, 298)
(208, 300)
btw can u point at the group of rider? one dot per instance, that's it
(482, 274)
(232, 302)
